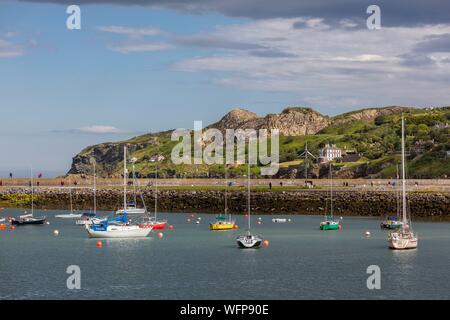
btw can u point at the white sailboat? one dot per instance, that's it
(249, 240)
(89, 218)
(71, 215)
(118, 227)
(403, 238)
(152, 221)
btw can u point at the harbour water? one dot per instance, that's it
(191, 262)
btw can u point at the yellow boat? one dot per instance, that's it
(223, 225)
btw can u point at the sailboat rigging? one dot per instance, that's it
(249, 240)
(404, 238)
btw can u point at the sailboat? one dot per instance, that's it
(118, 227)
(89, 218)
(404, 238)
(393, 222)
(330, 222)
(152, 222)
(29, 219)
(224, 221)
(249, 240)
(71, 215)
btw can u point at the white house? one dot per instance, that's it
(329, 153)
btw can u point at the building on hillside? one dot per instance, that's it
(329, 153)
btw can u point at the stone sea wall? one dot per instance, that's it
(434, 205)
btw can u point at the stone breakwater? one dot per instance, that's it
(311, 202)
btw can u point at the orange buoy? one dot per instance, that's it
(171, 227)
(236, 226)
(12, 228)
(266, 243)
(160, 235)
(99, 244)
(2, 226)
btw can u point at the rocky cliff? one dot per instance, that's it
(292, 121)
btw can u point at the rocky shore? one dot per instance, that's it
(434, 205)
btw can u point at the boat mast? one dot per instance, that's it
(249, 199)
(403, 170)
(226, 190)
(156, 189)
(95, 188)
(398, 192)
(125, 179)
(331, 189)
(32, 193)
(134, 183)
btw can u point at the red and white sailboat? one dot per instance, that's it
(152, 221)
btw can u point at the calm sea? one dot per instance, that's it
(192, 262)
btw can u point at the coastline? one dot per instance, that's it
(429, 205)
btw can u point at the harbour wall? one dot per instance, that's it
(435, 205)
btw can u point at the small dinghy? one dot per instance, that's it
(279, 220)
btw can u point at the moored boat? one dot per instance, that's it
(118, 227)
(330, 223)
(404, 238)
(29, 219)
(224, 221)
(249, 240)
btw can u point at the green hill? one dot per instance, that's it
(374, 134)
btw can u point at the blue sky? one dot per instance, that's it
(147, 67)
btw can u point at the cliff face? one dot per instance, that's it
(291, 122)
(106, 156)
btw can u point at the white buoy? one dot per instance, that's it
(199, 219)
(368, 234)
(48, 223)
(198, 222)
(56, 232)
(342, 218)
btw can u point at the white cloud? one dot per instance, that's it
(333, 66)
(140, 47)
(9, 49)
(147, 31)
(99, 129)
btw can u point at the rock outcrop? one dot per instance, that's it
(292, 121)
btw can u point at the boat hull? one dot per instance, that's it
(119, 232)
(390, 226)
(35, 221)
(328, 226)
(131, 211)
(153, 226)
(222, 226)
(69, 216)
(402, 241)
(245, 242)
(403, 244)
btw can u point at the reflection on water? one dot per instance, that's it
(192, 262)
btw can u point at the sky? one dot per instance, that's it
(142, 66)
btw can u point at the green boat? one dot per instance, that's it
(330, 222)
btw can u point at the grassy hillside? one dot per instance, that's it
(377, 140)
